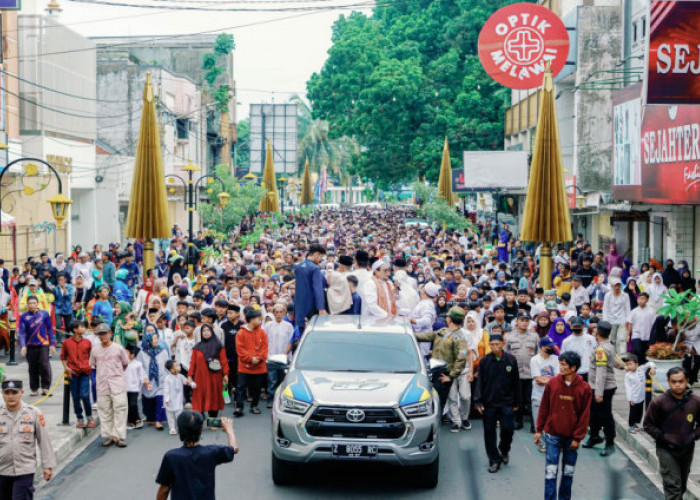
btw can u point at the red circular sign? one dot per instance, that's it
(516, 42)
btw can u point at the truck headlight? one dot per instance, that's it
(422, 409)
(296, 396)
(417, 399)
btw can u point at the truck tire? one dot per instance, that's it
(426, 476)
(283, 472)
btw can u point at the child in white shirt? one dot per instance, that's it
(635, 381)
(173, 393)
(135, 376)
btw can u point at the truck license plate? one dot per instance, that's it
(354, 450)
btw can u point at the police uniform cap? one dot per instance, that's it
(11, 385)
(457, 314)
(102, 328)
(523, 314)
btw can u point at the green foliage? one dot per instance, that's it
(244, 200)
(683, 307)
(437, 210)
(242, 151)
(2, 374)
(221, 96)
(400, 81)
(224, 44)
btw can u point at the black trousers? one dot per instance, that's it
(62, 323)
(525, 409)
(17, 487)
(39, 367)
(186, 390)
(636, 412)
(691, 364)
(249, 384)
(495, 450)
(232, 377)
(133, 415)
(602, 417)
(443, 390)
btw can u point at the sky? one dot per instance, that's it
(276, 52)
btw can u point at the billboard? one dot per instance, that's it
(458, 181)
(671, 155)
(490, 170)
(627, 137)
(674, 52)
(517, 40)
(276, 123)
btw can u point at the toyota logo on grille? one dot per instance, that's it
(355, 415)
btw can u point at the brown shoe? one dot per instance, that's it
(121, 443)
(108, 442)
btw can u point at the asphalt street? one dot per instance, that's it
(114, 473)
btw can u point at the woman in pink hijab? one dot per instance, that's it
(613, 259)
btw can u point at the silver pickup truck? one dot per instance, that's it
(357, 390)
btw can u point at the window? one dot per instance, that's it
(183, 129)
(643, 24)
(634, 33)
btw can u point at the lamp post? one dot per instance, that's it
(190, 188)
(59, 203)
(283, 182)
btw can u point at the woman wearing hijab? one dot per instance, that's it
(143, 296)
(670, 276)
(626, 266)
(632, 289)
(613, 259)
(656, 292)
(178, 267)
(153, 358)
(687, 281)
(126, 330)
(542, 323)
(338, 294)
(558, 331)
(209, 371)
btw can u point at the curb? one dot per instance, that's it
(642, 452)
(66, 449)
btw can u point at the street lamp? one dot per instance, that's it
(190, 199)
(59, 203)
(283, 182)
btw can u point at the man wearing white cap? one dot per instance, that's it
(616, 311)
(423, 315)
(379, 295)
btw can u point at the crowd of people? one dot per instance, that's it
(174, 340)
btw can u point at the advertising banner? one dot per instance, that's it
(674, 52)
(627, 149)
(671, 155)
(517, 40)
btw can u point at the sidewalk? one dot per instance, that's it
(641, 449)
(65, 439)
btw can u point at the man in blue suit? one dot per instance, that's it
(309, 298)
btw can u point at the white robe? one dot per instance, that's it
(370, 302)
(424, 314)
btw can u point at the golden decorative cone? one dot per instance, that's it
(546, 206)
(148, 205)
(445, 181)
(270, 202)
(307, 196)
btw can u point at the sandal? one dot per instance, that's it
(91, 423)
(159, 426)
(107, 442)
(255, 411)
(80, 424)
(121, 443)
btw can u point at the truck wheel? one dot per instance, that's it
(426, 476)
(282, 471)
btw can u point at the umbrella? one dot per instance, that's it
(148, 205)
(445, 181)
(546, 207)
(270, 202)
(307, 195)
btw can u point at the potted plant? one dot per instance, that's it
(683, 308)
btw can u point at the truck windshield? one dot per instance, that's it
(358, 351)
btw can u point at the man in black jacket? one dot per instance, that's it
(497, 398)
(672, 420)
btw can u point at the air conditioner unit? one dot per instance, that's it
(219, 141)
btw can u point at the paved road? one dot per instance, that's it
(130, 473)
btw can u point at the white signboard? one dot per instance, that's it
(278, 124)
(487, 170)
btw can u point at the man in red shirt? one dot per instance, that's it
(251, 346)
(563, 416)
(75, 355)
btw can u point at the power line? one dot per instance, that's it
(230, 9)
(181, 35)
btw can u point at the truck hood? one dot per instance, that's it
(357, 389)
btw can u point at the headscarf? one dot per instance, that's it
(210, 347)
(687, 283)
(147, 347)
(656, 290)
(670, 276)
(339, 296)
(148, 287)
(626, 265)
(542, 330)
(555, 336)
(475, 333)
(60, 263)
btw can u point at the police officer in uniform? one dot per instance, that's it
(450, 346)
(22, 427)
(601, 376)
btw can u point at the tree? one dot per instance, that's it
(244, 199)
(434, 208)
(401, 80)
(214, 66)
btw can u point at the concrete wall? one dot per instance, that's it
(599, 48)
